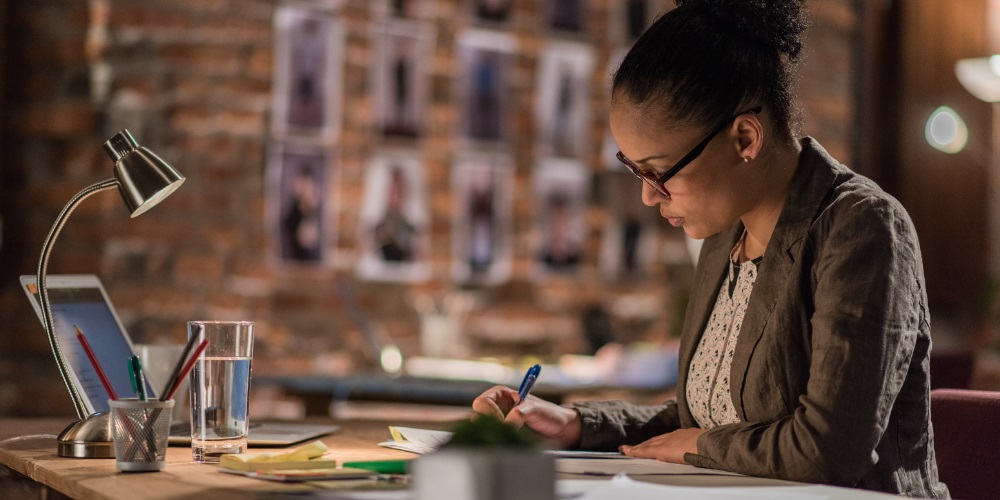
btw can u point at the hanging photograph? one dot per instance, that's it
(562, 102)
(394, 219)
(629, 18)
(491, 12)
(308, 60)
(561, 189)
(486, 61)
(482, 208)
(567, 15)
(298, 205)
(629, 239)
(402, 9)
(400, 76)
(609, 148)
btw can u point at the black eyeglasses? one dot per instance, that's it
(658, 181)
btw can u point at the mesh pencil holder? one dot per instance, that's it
(140, 430)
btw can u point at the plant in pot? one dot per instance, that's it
(486, 459)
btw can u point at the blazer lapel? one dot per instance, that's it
(813, 179)
(712, 266)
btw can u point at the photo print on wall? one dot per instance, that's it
(496, 13)
(563, 100)
(308, 60)
(561, 192)
(486, 60)
(629, 238)
(482, 208)
(568, 16)
(402, 9)
(400, 76)
(299, 204)
(394, 219)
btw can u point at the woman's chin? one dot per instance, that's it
(696, 233)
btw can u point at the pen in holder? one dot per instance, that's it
(137, 378)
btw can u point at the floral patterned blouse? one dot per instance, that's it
(708, 379)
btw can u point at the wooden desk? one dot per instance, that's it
(28, 448)
(94, 478)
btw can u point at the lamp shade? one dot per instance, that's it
(144, 179)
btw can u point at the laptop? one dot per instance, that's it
(82, 301)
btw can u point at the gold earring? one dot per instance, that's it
(746, 159)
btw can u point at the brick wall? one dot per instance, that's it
(192, 79)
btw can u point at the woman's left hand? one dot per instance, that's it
(669, 447)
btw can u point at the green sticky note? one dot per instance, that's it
(381, 466)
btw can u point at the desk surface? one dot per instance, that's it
(28, 447)
(90, 478)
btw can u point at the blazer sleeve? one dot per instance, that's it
(604, 425)
(869, 307)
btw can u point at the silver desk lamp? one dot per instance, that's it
(143, 179)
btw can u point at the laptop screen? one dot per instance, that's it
(85, 306)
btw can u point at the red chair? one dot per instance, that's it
(966, 441)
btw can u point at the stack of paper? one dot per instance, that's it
(416, 440)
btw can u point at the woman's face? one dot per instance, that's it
(706, 196)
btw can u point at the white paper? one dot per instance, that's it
(585, 454)
(624, 487)
(632, 467)
(420, 441)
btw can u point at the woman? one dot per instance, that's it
(804, 354)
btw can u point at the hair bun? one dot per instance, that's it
(778, 23)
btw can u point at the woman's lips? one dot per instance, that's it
(676, 221)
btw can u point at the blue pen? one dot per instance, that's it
(528, 383)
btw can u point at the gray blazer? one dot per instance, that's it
(830, 374)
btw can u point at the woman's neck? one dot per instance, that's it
(761, 220)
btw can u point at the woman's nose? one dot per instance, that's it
(651, 196)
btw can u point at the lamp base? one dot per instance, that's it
(88, 438)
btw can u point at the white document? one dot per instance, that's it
(623, 487)
(631, 466)
(585, 454)
(421, 441)
(600, 463)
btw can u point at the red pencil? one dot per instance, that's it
(187, 368)
(93, 361)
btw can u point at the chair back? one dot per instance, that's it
(952, 369)
(967, 441)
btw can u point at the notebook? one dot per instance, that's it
(82, 301)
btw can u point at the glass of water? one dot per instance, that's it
(220, 388)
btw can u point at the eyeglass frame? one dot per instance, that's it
(658, 181)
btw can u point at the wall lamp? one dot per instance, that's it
(980, 76)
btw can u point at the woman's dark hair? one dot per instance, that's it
(708, 59)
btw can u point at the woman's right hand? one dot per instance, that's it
(551, 421)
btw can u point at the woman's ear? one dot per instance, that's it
(750, 135)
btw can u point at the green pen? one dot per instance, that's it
(381, 466)
(138, 379)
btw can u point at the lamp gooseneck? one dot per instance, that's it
(43, 293)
